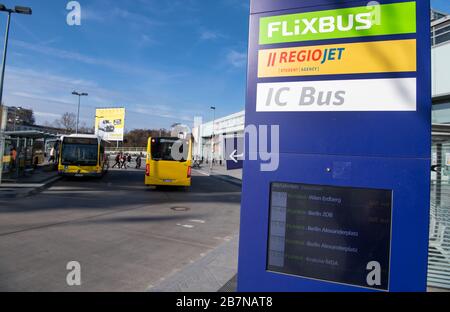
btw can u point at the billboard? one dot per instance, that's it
(110, 123)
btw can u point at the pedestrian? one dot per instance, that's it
(56, 151)
(117, 161)
(129, 158)
(13, 158)
(35, 162)
(124, 162)
(139, 161)
(52, 155)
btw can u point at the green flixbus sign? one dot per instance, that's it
(374, 20)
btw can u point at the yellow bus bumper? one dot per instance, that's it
(73, 171)
(161, 182)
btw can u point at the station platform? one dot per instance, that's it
(31, 183)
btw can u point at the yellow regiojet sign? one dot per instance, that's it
(335, 59)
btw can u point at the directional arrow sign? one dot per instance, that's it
(234, 156)
(234, 151)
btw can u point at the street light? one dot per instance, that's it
(212, 138)
(23, 10)
(79, 100)
(18, 10)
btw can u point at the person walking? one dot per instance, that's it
(117, 159)
(139, 161)
(52, 155)
(124, 162)
(13, 159)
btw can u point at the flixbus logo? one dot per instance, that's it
(396, 18)
(324, 24)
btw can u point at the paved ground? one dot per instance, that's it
(126, 237)
(220, 170)
(28, 184)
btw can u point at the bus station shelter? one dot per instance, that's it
(30, 148)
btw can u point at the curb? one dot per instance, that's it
(210, 273)
(31, 191)
(45, 185)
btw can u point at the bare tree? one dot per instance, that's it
(85, 129)
(139, 137)
(67, 121)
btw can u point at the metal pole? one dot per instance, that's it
(439, 159)
(2, 152)
(78, 112)
(2, 79)
(212, 141)
(5, 50)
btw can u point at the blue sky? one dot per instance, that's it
(442, 5)
(166, 61)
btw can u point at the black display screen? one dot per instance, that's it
(86, 141)
(329, 233)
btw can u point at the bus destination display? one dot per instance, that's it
(329, 233)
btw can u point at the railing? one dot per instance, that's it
(439, 247)
(126, 150)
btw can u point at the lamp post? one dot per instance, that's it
(79, 94)
(212, 138)
(18, 10)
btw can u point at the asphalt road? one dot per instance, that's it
(126, 236)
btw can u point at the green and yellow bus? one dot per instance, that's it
(168, 162)
(82, 156)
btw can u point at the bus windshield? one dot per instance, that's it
(79, 151)
(161, 149)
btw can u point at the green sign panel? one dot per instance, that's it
(375, 20)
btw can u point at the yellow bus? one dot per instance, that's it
(82, 155)
(168, 162)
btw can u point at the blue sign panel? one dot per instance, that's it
(353, 149)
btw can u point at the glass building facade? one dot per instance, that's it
(440, 41)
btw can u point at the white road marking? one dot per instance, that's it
(188, 226)
(226, 238)
(201, 172)
(198, 221)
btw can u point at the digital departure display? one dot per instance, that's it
(86, 141)
(336, 234)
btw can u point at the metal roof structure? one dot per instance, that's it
(33, 134)
(441, 132)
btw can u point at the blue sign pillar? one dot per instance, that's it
(347, 208)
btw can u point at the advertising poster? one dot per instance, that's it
(110, 123)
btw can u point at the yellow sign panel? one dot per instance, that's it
(347, 58)
(110, 123)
